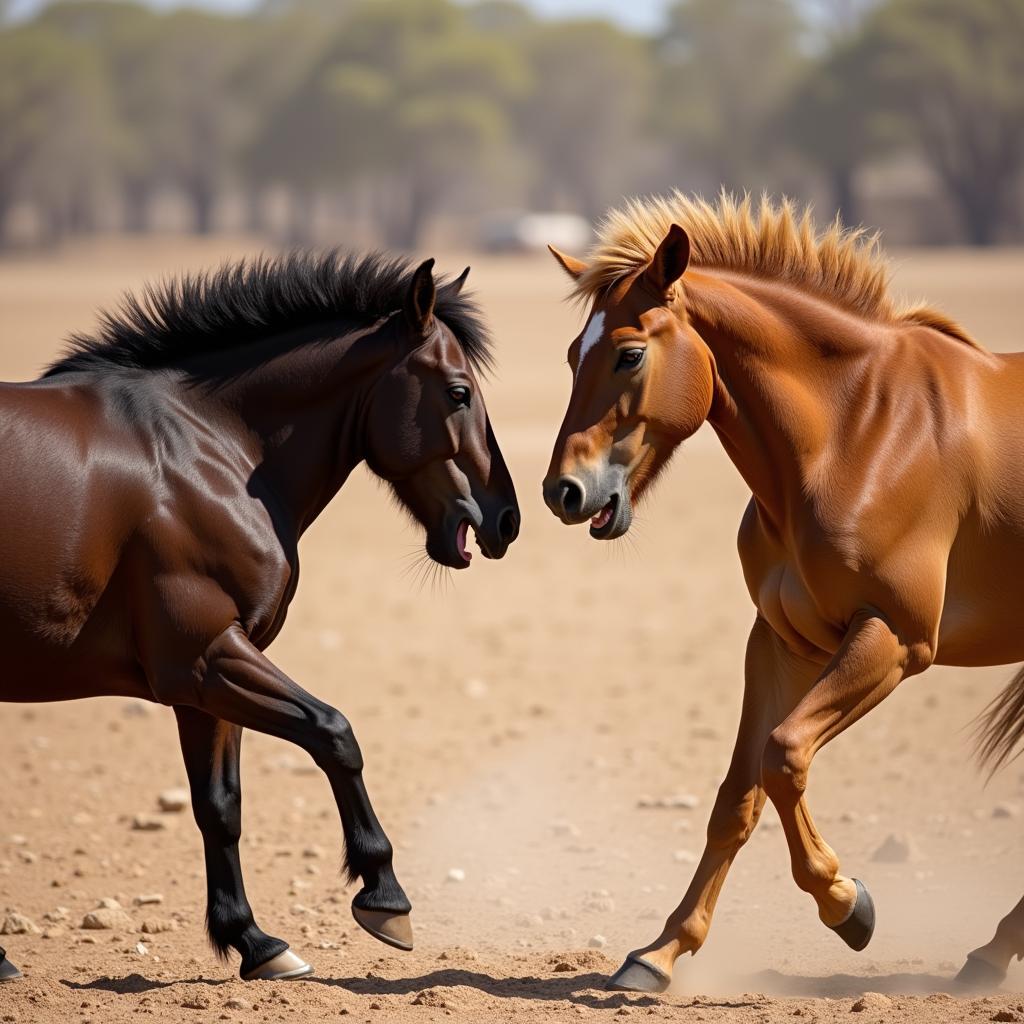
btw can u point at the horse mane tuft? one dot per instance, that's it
(247, 301)
(770, 240)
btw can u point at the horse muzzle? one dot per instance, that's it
(601, 498)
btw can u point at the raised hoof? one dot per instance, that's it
(285, 966)
(857, 929)
(391, 928)
(8, 972)
(638, 975)
(979, 974)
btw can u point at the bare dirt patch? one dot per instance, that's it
(530, 731)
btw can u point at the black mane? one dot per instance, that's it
(250, 300)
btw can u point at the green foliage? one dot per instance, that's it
(953, 76)
(54, 112)
(586, 117)
(414, 106)
(727, 68)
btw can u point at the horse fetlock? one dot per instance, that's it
(382, 891)
(692, 933)
(836, 901)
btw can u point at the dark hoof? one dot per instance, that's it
(8, 972)
(387, 926)
(979, 974)
(286, 966)
(638, 975)
(857, 929)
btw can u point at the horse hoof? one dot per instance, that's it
(979, 974)
(857, 929)
(8, 972)
(391, 928)
(285, 966)
(638, 975)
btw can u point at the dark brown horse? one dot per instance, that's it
(156, 482)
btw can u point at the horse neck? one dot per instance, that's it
(784, 361)
(303, 407)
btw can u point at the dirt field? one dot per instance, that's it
(512, 723)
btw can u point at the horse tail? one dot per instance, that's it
(1000, 727)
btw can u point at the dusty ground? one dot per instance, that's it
(512, 723)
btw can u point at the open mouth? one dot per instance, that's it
(604, 522)
(461, 537)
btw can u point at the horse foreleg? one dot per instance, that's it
(987, 965)
(773, 678)
(211, 749)
(868, 666)
(235, 682)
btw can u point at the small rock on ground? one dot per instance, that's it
(103, 918)
(871, 1001)
(18, 924)
(173, 801)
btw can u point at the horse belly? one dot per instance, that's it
(983, 613)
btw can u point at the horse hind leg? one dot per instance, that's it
(986, 966)
(8, 972)
(211, 750)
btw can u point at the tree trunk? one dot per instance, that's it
(407, 231)
(300, 226)
(844, 196)
(255, 215)
(202, 197)
(5, 205)
(136, 207)
(979, 212)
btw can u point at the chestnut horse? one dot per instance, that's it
(884, 449)
(156, 482)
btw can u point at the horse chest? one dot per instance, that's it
(788, 596)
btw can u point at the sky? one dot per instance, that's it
(643, 15)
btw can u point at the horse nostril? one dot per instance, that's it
(571, 496)
(508, 525)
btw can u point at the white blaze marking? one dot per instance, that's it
(592, 335)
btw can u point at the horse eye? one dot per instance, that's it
(629, 358)
(459, 394)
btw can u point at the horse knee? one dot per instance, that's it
(784, 767)
(335, 743)
(219, 815)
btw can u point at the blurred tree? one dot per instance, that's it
(173, 80)
(830, 123)
(409, 94)
(953, 73)
(56, 126)
(729, 65)
(587, 120)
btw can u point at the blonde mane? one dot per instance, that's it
(775, 240)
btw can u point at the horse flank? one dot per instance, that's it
(772, 241)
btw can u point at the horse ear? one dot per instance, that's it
(573, 267)
(670, 260)
(420, 298)
(453, 288)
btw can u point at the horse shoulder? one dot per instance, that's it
(212, 542)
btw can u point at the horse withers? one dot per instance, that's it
(884, 450)
(156, 482)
